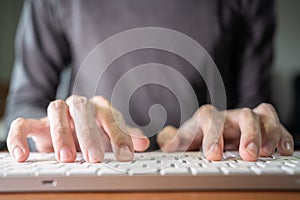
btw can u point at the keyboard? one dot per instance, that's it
(149, 171)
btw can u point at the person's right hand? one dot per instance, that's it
(77, 124)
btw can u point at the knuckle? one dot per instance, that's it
(166, 133)
(247, 113)
(169, 129)
(56, 105)
(79, 103)
(266, 108)
(205, 110)
(59, 130)
(101, 101)
(269, 119)
(77, 100)
(18, 123)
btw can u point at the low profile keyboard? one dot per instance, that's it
(152, 163)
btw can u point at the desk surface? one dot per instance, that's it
(224, 195)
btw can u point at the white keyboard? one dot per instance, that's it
(148, 172)
(155, 163)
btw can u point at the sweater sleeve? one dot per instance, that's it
(41, 54)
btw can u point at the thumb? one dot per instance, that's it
(139, 140)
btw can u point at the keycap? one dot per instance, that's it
(110, 171)
(19, 173)
(50, 172)
(291, 170)
(267, 170)
(172, 170)
(142, 171)
(81, 172)
(203, 171)
(240, 170)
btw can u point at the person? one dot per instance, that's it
(54, 35)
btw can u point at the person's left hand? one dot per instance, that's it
(254, 133)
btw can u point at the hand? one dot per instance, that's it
(92, 126)
(254, 133)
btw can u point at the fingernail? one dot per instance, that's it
(18, 153)
(65, 154)
(95, 155)
(288, 146)
(125, 154)
(269, 148)
(252, 149)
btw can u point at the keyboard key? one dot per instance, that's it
(81, 172)
(240, 170)
(142, 171)
(173, 171)
(19, 173)
(267, 170)
(50, 172)
(111, 171)
(205, 171)
(291, 170)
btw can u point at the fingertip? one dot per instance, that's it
(214, 153)
(250, 153)
(286, 148)
(140, 144)
(286, 143)
(94, 155)
(268, 149)
(19, 154)
(140, 141)
(125, 154)
(66, 155)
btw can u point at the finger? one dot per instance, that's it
(168, 140)
(249, 125)
(89, 136)
(115, 127)
(42, 137)
(20, 129)
(60, 130)
(211, 122)
(271, 129)
(188, 137)
(286, 143)
(139, 140)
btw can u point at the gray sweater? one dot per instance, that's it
(57, 34)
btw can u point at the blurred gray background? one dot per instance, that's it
(286, 65)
